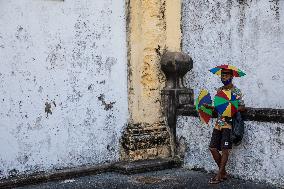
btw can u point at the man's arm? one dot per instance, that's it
(241, 108)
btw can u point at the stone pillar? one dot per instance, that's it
(153, 27)
(175, 65)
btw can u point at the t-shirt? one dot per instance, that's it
(221, 122)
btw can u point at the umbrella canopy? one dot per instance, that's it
(226, 103)
(205, 114)
(236, 72)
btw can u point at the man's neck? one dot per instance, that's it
(228, 87)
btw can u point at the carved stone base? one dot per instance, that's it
(145, 141)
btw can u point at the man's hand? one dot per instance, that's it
(208, 106)
(241, 108)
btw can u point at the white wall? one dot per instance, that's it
(72, 55)
(250, 35)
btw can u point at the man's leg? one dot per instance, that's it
(216, 155)
(215, 147)
(226, 146)
(222, 168)
(221, 160)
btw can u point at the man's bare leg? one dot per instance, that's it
(216, 155)
(222, 168)
(221, 161)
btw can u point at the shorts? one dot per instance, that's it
(221, 139)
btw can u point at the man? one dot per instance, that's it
(221, 136)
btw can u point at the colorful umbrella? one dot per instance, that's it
(226, 103)
(205, 114)
(236, 72)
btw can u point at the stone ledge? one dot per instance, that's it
(251, 114)
(132, 167)
(121, 167)
(56, 175)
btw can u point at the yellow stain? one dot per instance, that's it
(154, 26)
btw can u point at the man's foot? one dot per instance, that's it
(224, 176)
(215, 180)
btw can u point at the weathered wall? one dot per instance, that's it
(248, 34)
(153, 28)
(63, 83)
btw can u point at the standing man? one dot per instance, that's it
(221, 135)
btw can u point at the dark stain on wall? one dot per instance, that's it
(13, 172)
(90, 87)
(242, 16)
(56, 56)
(162, 10)
(1, 42)
(19, 30)
(275, 7)
(228, 8)
(244, 2)
(158, 50)
(47, 109)
(107, 106)
(23, 35)
(22, 159)
(110, 61)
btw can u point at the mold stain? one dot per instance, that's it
(242, 17)
(56, 57)
(109, 63)
(107, 106)
(275, 7)
(90, 87)
(47, 109)
(1, 42)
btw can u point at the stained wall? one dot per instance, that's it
(153, 27)
(63, 83)
(248, 34)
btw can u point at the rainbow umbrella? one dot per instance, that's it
(226, 103)
(236, 72)
(205, 114)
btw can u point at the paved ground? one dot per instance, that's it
(171, 178)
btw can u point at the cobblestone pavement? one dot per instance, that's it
(170, 178)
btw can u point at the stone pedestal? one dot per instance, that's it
(152, 28)
(158, 140)
(145, 141)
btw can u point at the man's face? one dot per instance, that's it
(226, 75)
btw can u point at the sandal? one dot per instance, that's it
(215, 181)
(225, 177)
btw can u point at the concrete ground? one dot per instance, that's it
(169, 178)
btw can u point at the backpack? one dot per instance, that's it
(238, 127)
